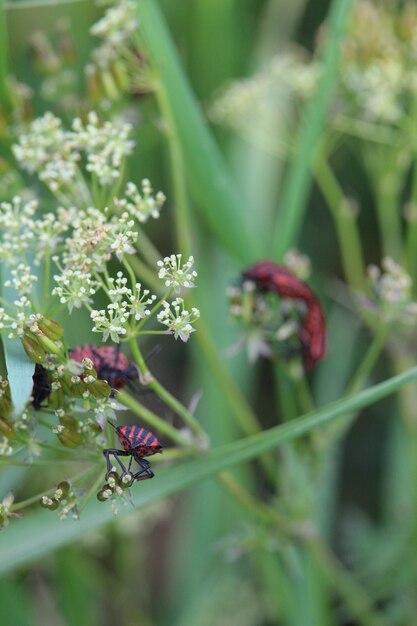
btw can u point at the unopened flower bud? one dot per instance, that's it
(7, 428)
(70, 438)
(34, 351)
(50, 328)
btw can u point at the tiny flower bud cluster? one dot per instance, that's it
(141, 207)
(65, 500)
(118, 23)
(5, 512)
(178, 320)
(176, 275)
(299, 264)
(55, 154)
(250, 106)
(125, 305)
(105, 145)
(392, 289)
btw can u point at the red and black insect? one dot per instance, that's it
(109, 362)
(269, 277)
(137, 443)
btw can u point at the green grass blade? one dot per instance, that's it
(37, 534)
(298, 182)
(211, 185)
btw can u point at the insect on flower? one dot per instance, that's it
(111, 364)
(137, 443)
(41, 386)
(269, 277)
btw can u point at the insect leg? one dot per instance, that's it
(145, 472)
(116, 453)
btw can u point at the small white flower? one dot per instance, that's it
(140, 302)
(112, 321)
(178, 320)
(74, 288)
(174, 274)
(141, 207)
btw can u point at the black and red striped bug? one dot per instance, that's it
(137, 443)
(269, 277)
(110, 364)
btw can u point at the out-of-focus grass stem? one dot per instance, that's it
(345, 222)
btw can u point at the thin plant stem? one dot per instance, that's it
(147, 248)
(143, 272)
(182, 214)
(369, 360)
(33, 499)
(154, 421)
(163, 393)
(345, 222)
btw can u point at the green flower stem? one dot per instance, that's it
(411, 237)
(285, 394)
(182, 214)
(131, 273)
(389, 215)
(387, 168)
(144, 273)
(367, 131)
(163, 393)
(93, 489)
(154, 421)
(336, 430)
(241, 410)
(345, 222)
(152, 312)
(351, 592)
(263, 512)
(369, 360)
(35, 499)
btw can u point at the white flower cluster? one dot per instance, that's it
(251, 105)
(105, 145)
(22, 279)
(178, 320)
(74, 288)
(125, 305)
(392, 288)
(176, 275)
(141, 207)
(94, 239)
(55, 154)
(5, 506)
(117, 24)
(378, 76)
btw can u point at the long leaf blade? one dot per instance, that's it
(211, 184)
(40, 533)
(298, 182)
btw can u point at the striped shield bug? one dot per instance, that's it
(269, 277)
(137, 443)
(109, 362)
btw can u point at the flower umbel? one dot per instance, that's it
(178, 320)
(175, 274)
